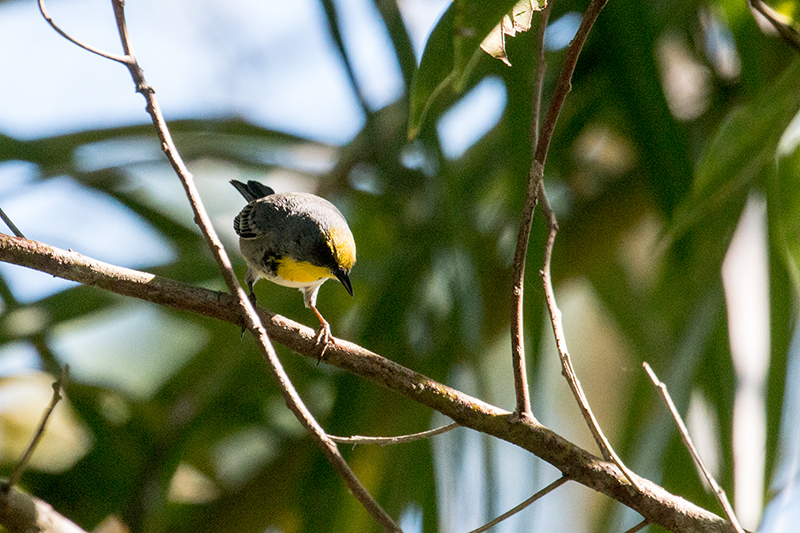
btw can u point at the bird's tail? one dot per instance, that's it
(253, 190)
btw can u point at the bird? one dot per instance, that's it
(296, 240)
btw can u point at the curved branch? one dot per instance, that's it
(523, 236)
(125, 60)
(654, 503)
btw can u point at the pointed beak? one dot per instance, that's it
(344, 277)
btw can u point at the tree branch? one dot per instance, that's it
(561, 345)
(14, 229)
(654, 503)
(23, 513)
(535, 192)
(523, 237)
(719, 492)
(20, 512)
(511, 512)
(251, 319)
(19, 468)
(399, 439)
(102, 53)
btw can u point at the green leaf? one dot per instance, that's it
(451, 53)
(738, 153)
(783, 215)
(784, 192)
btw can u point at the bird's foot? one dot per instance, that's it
(324, 339)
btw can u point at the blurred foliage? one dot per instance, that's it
(648, 193)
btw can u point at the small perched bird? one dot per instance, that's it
(296, 240)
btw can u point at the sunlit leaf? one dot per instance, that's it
(518, 20)
(450, 54)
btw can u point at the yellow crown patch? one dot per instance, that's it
(341, 244)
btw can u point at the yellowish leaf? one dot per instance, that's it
(518, 20)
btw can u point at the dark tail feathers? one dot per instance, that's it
(253, 190)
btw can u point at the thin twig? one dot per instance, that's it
(388, 441)
(22, 464)
(113, 57)
(523, 409)
(538, 81)
(787, 32)
(549, 488)
(719, 492)
(564, 84)
(250, 317)
(638, 527)
(561, 345)
(536, 193)
(10, 224)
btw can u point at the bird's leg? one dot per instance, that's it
(251, 297)
(324, 336)
(252, 294)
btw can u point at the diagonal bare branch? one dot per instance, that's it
(20, 512)
(10, 224)
(511, 512)
(654, 503)
(19, 468)
(719, 492)
(250, 318)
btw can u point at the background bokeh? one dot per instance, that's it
(673, 172)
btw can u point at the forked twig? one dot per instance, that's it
(535, 193)
(388, 441)
(719, 492)
(249, 315)
(563, 353)
(125, 60)
(22, 464)
(511, 512)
